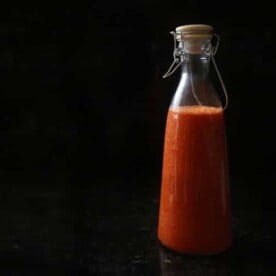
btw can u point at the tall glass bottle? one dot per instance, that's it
(194, 215)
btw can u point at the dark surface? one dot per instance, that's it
(95, 231)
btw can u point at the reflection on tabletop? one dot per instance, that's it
(248, 256)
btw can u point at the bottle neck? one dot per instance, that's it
(195, 87)
(196, 57)
(196, 65)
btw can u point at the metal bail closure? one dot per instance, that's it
(177, 52)
(214, 51)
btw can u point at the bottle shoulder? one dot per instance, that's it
(190, 92)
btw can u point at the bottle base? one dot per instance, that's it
(195, 252)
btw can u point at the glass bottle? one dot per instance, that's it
(194, 215)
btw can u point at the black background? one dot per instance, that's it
(81, 86)
(83, 103)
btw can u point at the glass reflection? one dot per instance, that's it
(172, 264)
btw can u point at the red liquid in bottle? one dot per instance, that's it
(195, 215)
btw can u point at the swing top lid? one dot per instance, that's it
(194, 31)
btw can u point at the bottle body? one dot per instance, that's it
(194, 215)
(195, 199)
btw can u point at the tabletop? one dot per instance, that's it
(111, 230)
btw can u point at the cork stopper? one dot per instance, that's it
(194, 31)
